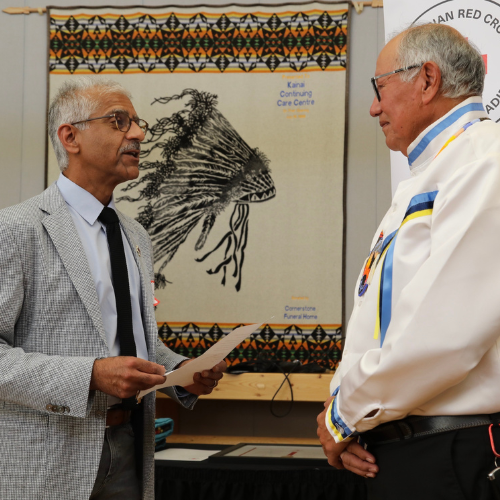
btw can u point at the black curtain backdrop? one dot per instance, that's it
(203, 481)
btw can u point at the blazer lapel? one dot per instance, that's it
(149, 321)
(62, 231)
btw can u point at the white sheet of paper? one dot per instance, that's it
(184, 376)
(184, 454)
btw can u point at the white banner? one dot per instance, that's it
(478, 20)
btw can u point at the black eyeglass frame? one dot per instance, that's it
(375, 78)
(142, 124)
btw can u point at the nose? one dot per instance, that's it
(375, 108)
(135, 133)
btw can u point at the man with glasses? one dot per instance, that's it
(78, 336)
(415, 401)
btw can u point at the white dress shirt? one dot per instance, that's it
(423, 337)
(85, 210)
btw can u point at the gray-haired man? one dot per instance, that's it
(68, 426)
(420, 372)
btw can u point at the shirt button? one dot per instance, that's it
(100, 413)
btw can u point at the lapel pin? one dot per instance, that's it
(138, 250)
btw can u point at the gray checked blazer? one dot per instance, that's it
(51, 331)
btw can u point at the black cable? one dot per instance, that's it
(286, 379)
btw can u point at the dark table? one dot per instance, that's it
(227, 480)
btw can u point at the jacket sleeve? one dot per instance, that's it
(170, 360)
(52, 384)
(165, 356)
(445, 319)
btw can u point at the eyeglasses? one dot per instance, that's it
(123, 121)
(375, 78)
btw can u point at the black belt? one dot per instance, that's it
(116, 416)
(417, 426)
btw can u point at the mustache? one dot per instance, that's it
(132, 145)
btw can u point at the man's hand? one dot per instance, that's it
(348, 455)
(123, 376)
(356, 459)
(206, 381)
(331, 449)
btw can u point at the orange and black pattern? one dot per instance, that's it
(280, 343)
(234, 42)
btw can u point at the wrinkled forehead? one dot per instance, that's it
(112, 102)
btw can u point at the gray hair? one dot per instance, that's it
(75, 101)
(460, 62)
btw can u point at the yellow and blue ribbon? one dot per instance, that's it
(339, 428)
(419, 206)
(440, 127)
(461, 131)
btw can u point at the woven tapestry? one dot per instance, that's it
(242, 171)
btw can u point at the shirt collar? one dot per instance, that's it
(428, 144)
(84, 203)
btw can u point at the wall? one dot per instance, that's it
(23, 82)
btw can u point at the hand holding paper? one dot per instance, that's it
(206, 381)
(183, 376)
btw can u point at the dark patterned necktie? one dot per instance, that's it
(119, 274)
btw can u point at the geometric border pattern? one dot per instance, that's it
(173, 41)
(281, 343)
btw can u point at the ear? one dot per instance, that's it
(430, 76)
(67, 136)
